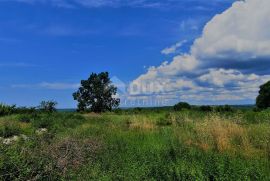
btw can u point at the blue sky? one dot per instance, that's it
(48, 46)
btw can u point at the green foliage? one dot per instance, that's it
(225, 108)
(164, 121)
(263, 100)
(26, 110)
(38, 159)
(9, 129)
(96, 94)
(43, 121)
(57, 121)
(167, 145)
(7, 110)
(48, 106)
(181, 105)
(25, 118)
(205, 108)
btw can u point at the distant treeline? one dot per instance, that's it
(49, 107)
(186, 106)
(45, 106)
(13, 109)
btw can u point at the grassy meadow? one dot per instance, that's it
(136, 145)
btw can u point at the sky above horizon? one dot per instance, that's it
(157, 52)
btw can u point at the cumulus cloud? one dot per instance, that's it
(172, 49)
(218, 66)
(222, 77)
(238, 34)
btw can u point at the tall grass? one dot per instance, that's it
(166, 145)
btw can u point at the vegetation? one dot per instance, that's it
(182, 142)
(48, 106)
(137, 144)
(263, 100)
(206, 108)
(181, 105)
(96, 94)
(8, 110)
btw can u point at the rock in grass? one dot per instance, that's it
(41, 131)
(9, 141)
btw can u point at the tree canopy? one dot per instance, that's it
(96, 94)
(263, 99)
(181, 105)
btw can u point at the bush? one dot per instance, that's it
(181, 105)
(25, 118)
(225, 108)
(48, 106)
(7, 110)
(206, 108)
(42, 122)
(9, 129)
(39, 160)
(25, 110)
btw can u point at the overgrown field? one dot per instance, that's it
(141, 145)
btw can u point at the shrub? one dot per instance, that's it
(48, 106)
(181, 105)
(9, 129)
(39, 160)
(7, 110)
(43, 121)
(26, 110)
(24, 118)
(225, 108)
(206, 108)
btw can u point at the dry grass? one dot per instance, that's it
(71, 153)
(220, 134)
(141, 123)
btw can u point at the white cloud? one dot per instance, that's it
(240, 33)
(173, 48)
(47, 85)
(221, 77)
(235, 37)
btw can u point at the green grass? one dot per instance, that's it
(149, 145)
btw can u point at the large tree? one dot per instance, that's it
(96, 94)
(263, 100)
